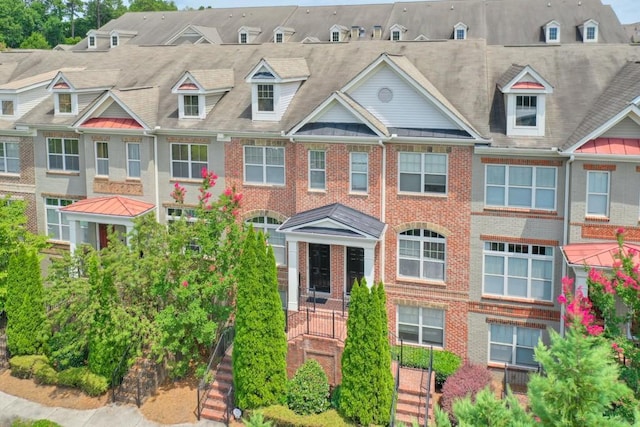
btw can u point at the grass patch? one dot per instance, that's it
(285, 417)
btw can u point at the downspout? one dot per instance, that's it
(565, 230)
(155, 172)
(383, 210)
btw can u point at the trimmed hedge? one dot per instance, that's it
(37, 423)
(82, 378)
(445, 363)
(285, 417)
(24, 366)
(45, 374)
(308, 390)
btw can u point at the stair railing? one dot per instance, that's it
(428, 394)
(119, 372)
(225, 340)
(396, 386)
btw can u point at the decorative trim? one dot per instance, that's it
(527, 162)
(495, 321)
(424, 225)
(497, 238)
(594, 167)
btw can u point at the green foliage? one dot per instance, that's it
(27, 326)
(466, 382)
(257, 420)
(367, 383)
(445, 363)
(82, 378)
(151, 5)
(24, 366)
(37, 423)
(308, 391)
(285, 417)
(35, 41)
(489, 411)
(260, 344)
(580, 383)
(44, 374)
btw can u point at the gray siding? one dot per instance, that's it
(337, 114)
(28, 100)
(287, 91)
(627, 128)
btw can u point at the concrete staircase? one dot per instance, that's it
(412, 397)
(215, 406)
(4, 361)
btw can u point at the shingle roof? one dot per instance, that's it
(214, 79)
(349, 217)
(289, 68)
(90, 79)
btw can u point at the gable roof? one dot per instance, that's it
(511, 80)
(283, 68)
(139, 103)
(112, 206)
(612, 106)
(87, 79)
(334, 219)
(210, 34)
(599, 255)
(209, 80)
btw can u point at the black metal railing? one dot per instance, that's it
(396, 386)
(329, 324)
(515, 379)
(120, 371)
(428, 392)
(224, 341)
(229, 403)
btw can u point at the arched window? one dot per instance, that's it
(421, 254)
(268, 226)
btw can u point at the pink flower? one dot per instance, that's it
(237, 197)
(562, 299)
(185, 283)
(595, 329)
(204, 172)
(228, 192)
(617, 348)
(620, 230)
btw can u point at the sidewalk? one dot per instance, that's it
(12, 407)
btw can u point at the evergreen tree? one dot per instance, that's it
(260, 344)
(27, 327)
(580, 382)
(367, 383)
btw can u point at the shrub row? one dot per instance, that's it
(285, 417)
(38, 367)
(445, 363)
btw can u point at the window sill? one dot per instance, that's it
(528, 211)
(101, 177)
(358, 194)
(9, 175)
(63, 173)
(409, 194)
(132, 180)
(185, 180)
(418, 345)
(501, 365)
(594, 218)
(317, 190)
(417, 281)
(519, 300)
(259, 184)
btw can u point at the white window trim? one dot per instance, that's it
(506, 255)
(268, 230)
(101, 158)
(585, 39)
(421, 325)
(15, 110)
(92, 42)
(74, 104)
(332, 39)
(607, 194)
(547, 33)
(64, 155)
(6, 158)
(422, 174)
(421, 258)
(258, 114)
(264, 167)
(514, 346)
(275, 37)
(189, 161)
(111, 39)
(460, 27)
(515, 130)
(129, 160)
(323, 170)
(352, 173)
(395, 33)
(181, 106)
(533, 187)
(246, 37)
(59, 224)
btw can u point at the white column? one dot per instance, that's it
(292, 260)
(128, 228)
(73, 234)
(368, 265)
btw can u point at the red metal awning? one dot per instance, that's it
(111, 123)
(596, 254)
(621, 146)
(113, 205)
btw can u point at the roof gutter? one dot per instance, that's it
(549, 152)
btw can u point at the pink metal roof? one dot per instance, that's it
(186, 86)
(596, 254)
(622, 146)
(61, 85)
(527, 85)
(111, 123)
(113, 205)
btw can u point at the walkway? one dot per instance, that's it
(12, 407)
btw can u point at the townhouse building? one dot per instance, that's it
(467, 154)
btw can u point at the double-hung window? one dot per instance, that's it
(526, 110)
(264, 165)
(421, 325)
(518, 270)
(317, 170)
(359, 171)
(521, 186)
(102, 158)
(191, 105)
(9, 157)
(268, 226)
(57, 224)
(513, 345)
(64, 103)
(7, 107)
(265, 97)
(598, 193)
(133, 160)
(335, 36)
(421, 254)
(187, 160)
(63, 154)
(423, 172)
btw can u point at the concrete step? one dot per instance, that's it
(212, 414)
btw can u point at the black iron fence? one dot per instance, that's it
(516, 379)
(329, 324)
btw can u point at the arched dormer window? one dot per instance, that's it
(422, 254)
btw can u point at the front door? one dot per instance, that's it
(355, 267)
(103, 236)
(319, 268)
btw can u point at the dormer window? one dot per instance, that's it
(279, 38)
(91, 40)
(114, 40)
(7, 107)
(335, 36)
(282, 34)
(191, 105)
(248, 34)
(265, 98)
(589, 31)
(552, 32)
(377, 32)
(338, 33)
(199, 90)
(525, 99)
(460, 31)
(397, 31)
(64, 103)
(243, 38)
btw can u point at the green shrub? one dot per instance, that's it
(82, 378)
(445, 363)
(23, 366)
(308, 390)
(45, 374)
(257, 420)
(285, 417)
(335, 397)
(37, 423)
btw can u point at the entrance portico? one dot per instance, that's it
(96, 215)
(322, 231)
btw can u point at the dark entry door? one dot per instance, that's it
(319, 268)
(103, 235)
(355, 267)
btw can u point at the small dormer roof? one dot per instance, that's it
(282, 69)
(205, 81)
(85, 80)
(98, 33)
(285, 30)
(250, 30)
(590, 21)
(123, 33)
(552, 23)
(461, 25)
(337, 27)
(311, 39)
(398, 27)
(523, 78)
(17, 86)
(208, 34)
